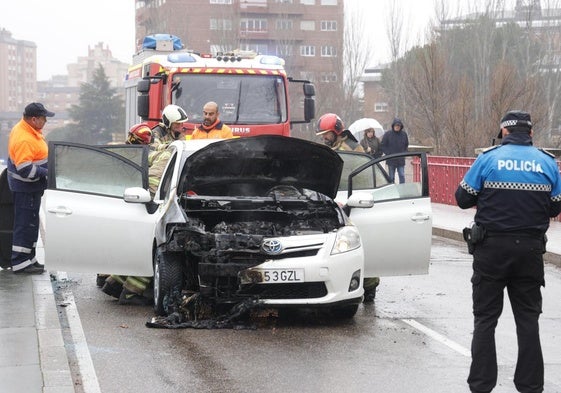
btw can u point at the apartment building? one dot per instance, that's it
(18, 82)
(18, 72)
(308, 34)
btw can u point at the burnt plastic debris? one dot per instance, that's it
(197, 313)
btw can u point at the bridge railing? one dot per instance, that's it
(445, 173)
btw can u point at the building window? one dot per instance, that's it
(284, 1)
(220, 1)
(381, 107)
(328, 51)
(220, 24)
(284, 50)
(284, 24)
(308, 25)
(215, 49)
(328, 77)
(328, 2)
(307, 50)
(328, 25)
(308, 2)
(253, 3)
(262, 49)
(253, 25)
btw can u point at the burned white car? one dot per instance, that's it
(247, 218)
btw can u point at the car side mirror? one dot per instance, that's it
(137, 195)
(361, 200)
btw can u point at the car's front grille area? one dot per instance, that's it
(307, 290)
(295, 254)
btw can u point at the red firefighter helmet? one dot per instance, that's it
(139, 134)
(330, 122)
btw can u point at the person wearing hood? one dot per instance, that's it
(394, 141)
(212, 127)
(516, 188)
(332, 130)
(371, 143)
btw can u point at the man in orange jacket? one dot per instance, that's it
(212, 127)
(27, 179)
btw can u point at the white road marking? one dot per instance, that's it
(438, 337)
(90, 383)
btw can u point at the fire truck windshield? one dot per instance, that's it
(241, 99)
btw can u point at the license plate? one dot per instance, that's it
(271, 276)
(283, 275)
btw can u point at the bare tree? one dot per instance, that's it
(338, 88)
(472, 71)
(397, 43)
(428, 92)
(462, 135)
(357, 51)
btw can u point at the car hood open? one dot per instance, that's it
(266, 160)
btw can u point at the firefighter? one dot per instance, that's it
(171, 127)
(211, 127)
(516, 189)
(332, 130)
(27, 179)
(132, 289)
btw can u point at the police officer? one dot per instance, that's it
(516, 188)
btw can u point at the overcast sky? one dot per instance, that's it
(64, 29)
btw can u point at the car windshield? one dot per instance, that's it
(241, 99)
(368, 179)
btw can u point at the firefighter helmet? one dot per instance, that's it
(140, 134)
(173, 114)
(330, 122)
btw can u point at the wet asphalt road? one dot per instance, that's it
(414, 338)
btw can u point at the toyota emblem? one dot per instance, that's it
(271, 246)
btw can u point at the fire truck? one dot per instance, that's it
(253, 93)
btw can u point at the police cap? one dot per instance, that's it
(514, 120)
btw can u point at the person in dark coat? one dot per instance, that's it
(394, 141)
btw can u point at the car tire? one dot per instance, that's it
(344, 312)
(168, 280)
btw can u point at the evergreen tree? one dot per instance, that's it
(100, 112)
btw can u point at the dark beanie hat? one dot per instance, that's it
(515, 120)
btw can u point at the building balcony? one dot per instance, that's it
(254, 35)
(275, 35)
(253, 7)
(287, 8)
(260, 7)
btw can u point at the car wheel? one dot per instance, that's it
(168, 280)
(344, 312)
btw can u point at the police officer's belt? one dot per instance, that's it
(536, 234)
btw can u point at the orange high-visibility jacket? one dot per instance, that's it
(27, 162)
(220, 131)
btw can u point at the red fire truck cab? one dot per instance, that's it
(251, 90)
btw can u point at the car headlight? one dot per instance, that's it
(347, 239)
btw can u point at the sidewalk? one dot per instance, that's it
(33, 357)
(448, 221)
